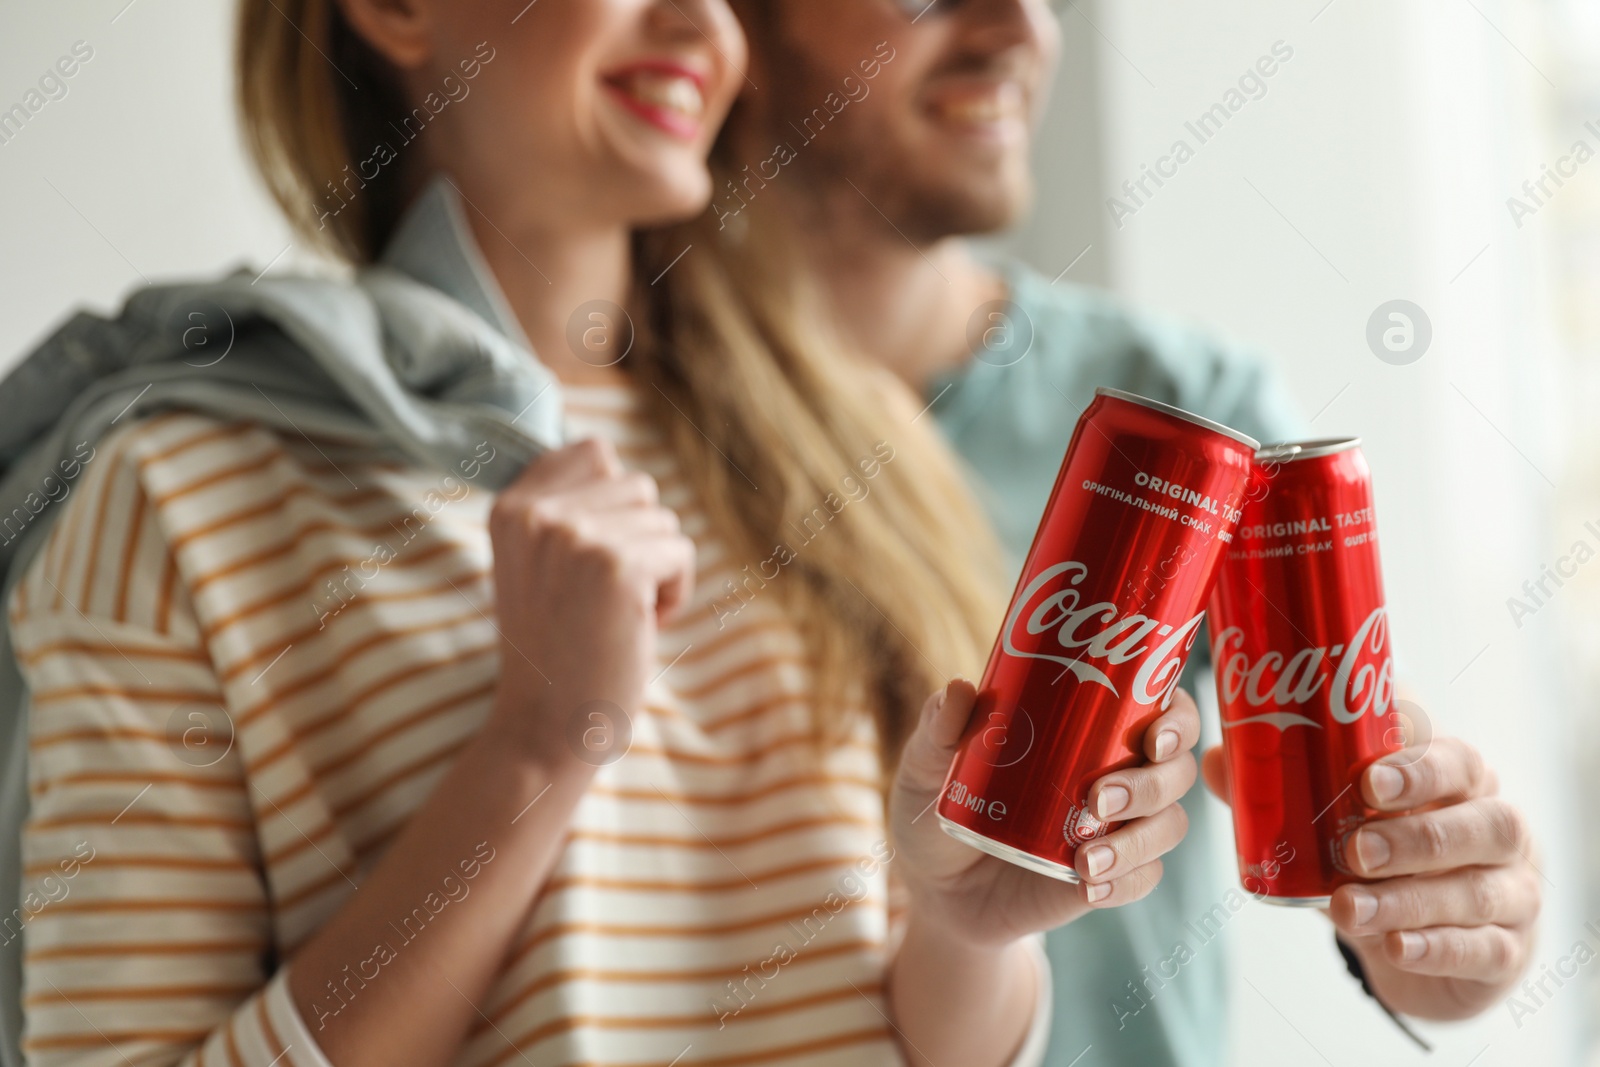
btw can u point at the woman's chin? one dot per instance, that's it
(663, 198)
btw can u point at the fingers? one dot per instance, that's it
(1130, 848)
(1214, 769)
(631, 489)
(624, 526)
(1472, 896)
(575, 464)
(1178, 729)
(1487, 831)
(594, 508)
(1448, 769)
(1480, 953)
(1140, 791)
(667, 561)
(1137, 884)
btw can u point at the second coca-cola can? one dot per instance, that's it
(1303, 665)
(1108, 606)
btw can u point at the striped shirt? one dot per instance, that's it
(251, 657)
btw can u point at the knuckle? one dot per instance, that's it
(540, 512)
(504, 516)
(1187, 771)
(509, 508)
(557, 530)
(605, 454)
(1156, 836)
(1421, 777)
(1402, 908)
(589, 448)
(1180, 820)
(1532, 894)
(1473, 766)
(1147, 789)
(1453, 947)
(1501, 950)
(1487, 894)
(600, 560)
(1144, 880)
(644, 487)
(1511, 826)
(1434, 840)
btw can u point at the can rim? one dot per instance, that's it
(1177, 412)
(1037, 864)
(1290, 451)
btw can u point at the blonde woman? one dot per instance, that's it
(625, 764)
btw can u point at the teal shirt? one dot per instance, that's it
(1010, 412)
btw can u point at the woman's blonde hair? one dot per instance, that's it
(832, 496)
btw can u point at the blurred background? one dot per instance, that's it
(1384, 160)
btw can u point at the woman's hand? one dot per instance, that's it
(1449, 927)
(988, 901)
(586, 561)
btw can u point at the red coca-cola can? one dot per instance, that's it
(1104, 615)
(1304, 672)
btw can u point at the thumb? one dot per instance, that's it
(948, 719)
(943, 720)
(1214, 769)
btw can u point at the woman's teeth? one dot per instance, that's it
(673, 93)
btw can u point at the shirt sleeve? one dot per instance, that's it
(146, 923)
(297, 1035)
(1034, 1046)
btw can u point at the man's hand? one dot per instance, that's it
(1450, 927)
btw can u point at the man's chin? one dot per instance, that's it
(964, 211)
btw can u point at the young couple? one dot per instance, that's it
(528, 796)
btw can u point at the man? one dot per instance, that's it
(906, 127)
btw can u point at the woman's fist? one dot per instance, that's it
(586, 562)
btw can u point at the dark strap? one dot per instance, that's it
(1352, 962)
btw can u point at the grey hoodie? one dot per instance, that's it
(419, 354)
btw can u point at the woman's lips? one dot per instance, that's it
(669, 97)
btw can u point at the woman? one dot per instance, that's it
(621, 765)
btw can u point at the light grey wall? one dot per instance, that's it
(135, 174)
(1068, 221)
(1375, 167)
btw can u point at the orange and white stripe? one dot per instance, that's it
(218, 756)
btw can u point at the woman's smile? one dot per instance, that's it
(668, 95)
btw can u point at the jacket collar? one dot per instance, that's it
(434, 245)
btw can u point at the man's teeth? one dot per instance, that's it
(677, 94)
(983, 108)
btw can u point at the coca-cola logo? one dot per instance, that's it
(1358, 675)
(1099, 634)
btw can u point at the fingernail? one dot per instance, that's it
(1372, 849)
(1412, 946)
(1364, 905)
(1113, 798)
(1099, 892)
(1100, 858)
(1387, 782)
(1166, 743)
